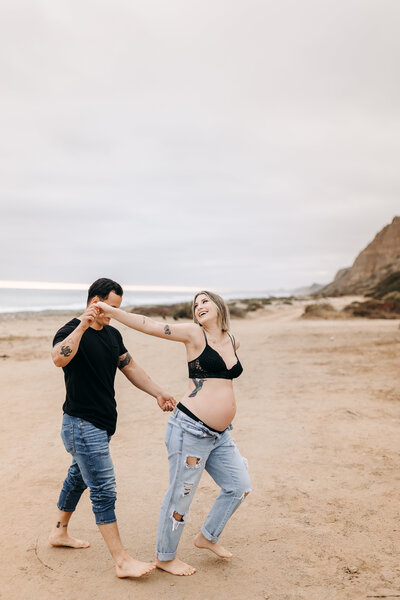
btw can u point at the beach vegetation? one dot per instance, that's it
(182, 311)
(321, 310)
(389, 284)
(374, 309)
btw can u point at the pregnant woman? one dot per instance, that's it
(197, 436)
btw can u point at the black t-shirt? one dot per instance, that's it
(89, 377)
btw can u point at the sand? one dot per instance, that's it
(318, 420)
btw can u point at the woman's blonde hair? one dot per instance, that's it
(223, 310)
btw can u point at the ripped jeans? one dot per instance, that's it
(219, 456)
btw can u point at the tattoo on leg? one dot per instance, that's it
(124, 361)
(198, 385)
(59, 525)
(167, 330)
(65, 350)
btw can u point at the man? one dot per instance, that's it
(89, 350)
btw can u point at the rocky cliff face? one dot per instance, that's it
(378, 260)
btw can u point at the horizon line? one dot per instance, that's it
(49, 285)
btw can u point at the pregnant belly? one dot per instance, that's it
(212, 401)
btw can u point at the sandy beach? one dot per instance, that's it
(318, 420)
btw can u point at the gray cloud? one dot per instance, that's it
(232, 144)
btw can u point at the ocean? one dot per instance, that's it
(34, 300)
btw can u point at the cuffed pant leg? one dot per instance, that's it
(184, 480)
(72, 489)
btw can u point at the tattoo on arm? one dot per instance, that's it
(65, 350)
(144, 320)
(198, 385)
(124, 361)
(167, 330)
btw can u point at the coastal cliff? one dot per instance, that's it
(379, 260)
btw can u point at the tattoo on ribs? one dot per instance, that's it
(65, 350)
(124, 361)
(167, 330)
(198, 385)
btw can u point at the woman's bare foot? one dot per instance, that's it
(201, 542)
(65, 540)
(175, 567)
(129, 567)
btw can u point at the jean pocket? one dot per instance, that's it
(91, 440)
(194, 429)
(67, 436)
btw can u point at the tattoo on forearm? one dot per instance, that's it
(65, 350)
(124, 361)
(167, 330)
(198, 385)
(59, 525)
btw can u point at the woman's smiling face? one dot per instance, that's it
(204, 309)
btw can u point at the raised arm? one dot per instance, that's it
(63, 352)
(182, 332)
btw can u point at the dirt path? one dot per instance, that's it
(318, 420)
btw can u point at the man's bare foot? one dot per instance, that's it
(129, 567)
(201, 542)
(175, 567)
(65, 540)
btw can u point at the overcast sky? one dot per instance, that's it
(230, 144)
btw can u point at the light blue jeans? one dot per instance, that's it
(91, 467)
(219, 456)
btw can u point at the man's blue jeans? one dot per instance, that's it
(206, 450)
(91, 467)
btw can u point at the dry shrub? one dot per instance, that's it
(321, 310)
(375, 309)
(152, 311)
(181, 310)
(176, 311)
(253, 305)
(237, 311)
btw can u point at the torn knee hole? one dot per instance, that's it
(177, 516)
(245, 494)
(192, 461)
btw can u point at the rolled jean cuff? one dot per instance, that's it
(65, 508)
(105, 517)
(163, 556)
(211, 538)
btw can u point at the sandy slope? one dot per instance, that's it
(318, 420)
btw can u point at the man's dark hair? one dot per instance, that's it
(102, 287)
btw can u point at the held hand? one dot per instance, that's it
(89, 316)
(103, 308)
(166, 402)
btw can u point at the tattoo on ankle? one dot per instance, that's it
(59, 525)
